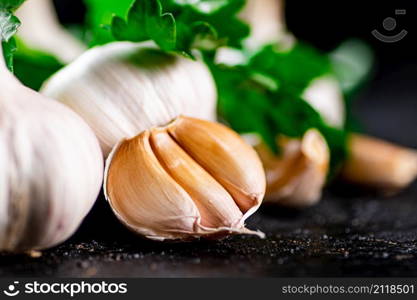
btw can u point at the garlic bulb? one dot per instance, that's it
(41, 30)
(50, 168)
(189, 179)
(296, 177)
(123, 88)
(376, 163)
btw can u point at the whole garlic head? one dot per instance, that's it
(51, 168)
(189, 179)
(123, 88)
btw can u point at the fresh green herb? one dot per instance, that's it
(10, 5)
(292, 69)
(222, 15)
(28, 62)
(8, 27)
(99, 17)
(146, 21)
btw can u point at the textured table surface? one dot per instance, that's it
(349, 233)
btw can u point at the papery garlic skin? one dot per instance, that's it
(160, 187)
(50, 169)
(267, 22)
(379, 164)
(297, 176)
(123, 88)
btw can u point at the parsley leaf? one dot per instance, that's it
(10, 5)
(222, 15)
(28, 62)
(292, 69)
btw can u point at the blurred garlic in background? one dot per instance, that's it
(123, 88)
(51, 168)
(41, 30)
(188, 179)
(376, 163)
(267, 21)
(297, 176)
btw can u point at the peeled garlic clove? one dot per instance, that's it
(296, 177)
(124, 88)
(379, 164)
(159, 190)
(51, 168)
(225, 156)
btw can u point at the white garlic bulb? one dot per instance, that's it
(50, 168)
(123, 88)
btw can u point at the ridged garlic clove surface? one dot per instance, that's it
(180, 182)
(297, 176)
(51, 169)
(124, 88)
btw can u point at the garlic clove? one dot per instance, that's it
(159, 190)
(376, 163)
(144, 196)
(216, 206)
(124, 88)
(223, 154)
(296, 178)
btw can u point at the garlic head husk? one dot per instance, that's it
(298, 174)
(124, 88)
(189, 179)
(50, 169)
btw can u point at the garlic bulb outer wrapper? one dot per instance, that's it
(166, 182)
(123, 88)
(50, 169)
